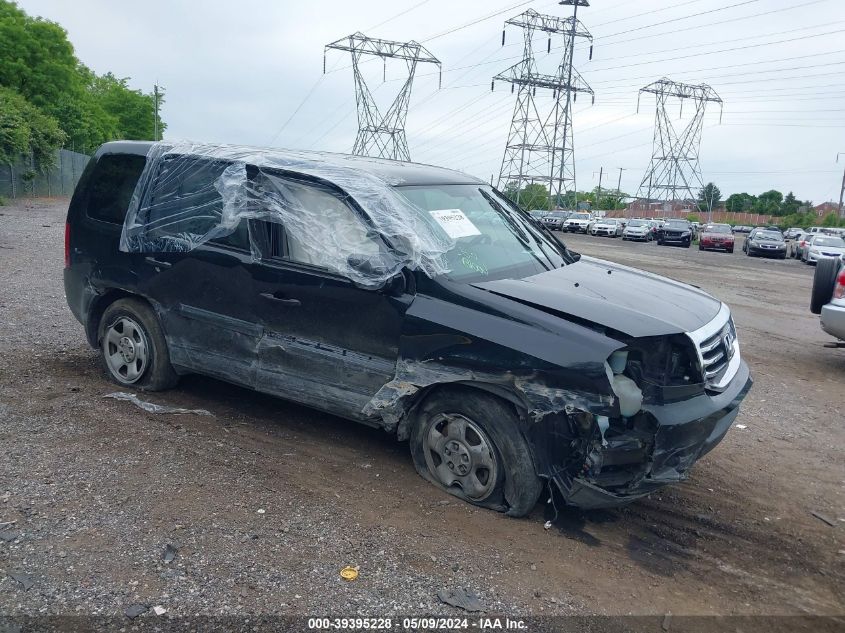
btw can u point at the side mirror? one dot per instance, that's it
(380, 266)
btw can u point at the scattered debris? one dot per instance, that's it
(665, 624)
(151, 407)
(547, 525)
(823, 518)
(349, 573)
(5, 524)
(261, 511)
(460, 598)
(135, 610)
(741, 426)
(159, 610)
(169, 553)
(8, 535)
(25, 581)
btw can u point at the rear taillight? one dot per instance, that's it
(67, 244)
(839, 288)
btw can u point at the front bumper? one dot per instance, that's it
(685, 432)
(576, 228)
(635, 236)
(833, 320)
(717, 246)
(676, 239)
(767, 252)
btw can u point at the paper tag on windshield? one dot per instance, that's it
(455, 223)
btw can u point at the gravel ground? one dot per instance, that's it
(266, 501)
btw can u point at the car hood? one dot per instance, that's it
(638, 229)
(631, 301)
(726, 236)
(828, 249)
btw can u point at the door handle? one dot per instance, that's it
(157, 262)
(283, 300)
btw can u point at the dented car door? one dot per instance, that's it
(326, 341)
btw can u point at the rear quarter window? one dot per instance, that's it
(112, 185)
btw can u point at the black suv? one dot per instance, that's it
(407, 297)
(678, 232)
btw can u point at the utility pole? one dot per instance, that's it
(155, 124)
(841, 191)
(539, 147)
(382, 135)
(598, 192)
(619, 186)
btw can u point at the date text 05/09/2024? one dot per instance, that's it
(414, 624)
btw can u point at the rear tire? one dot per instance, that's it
(823, 282)
(133, 350)
(468, 443)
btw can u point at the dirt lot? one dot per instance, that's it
(267, 501)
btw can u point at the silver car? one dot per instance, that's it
(609, 227)
(553, 220)
(823, 246)
(640, 230)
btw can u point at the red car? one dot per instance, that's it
(716, 237)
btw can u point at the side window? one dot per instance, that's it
(322, 230)
(112, 184)
(185, 203)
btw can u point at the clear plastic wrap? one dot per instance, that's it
(334, 213)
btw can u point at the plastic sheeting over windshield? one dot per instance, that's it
(192, 193)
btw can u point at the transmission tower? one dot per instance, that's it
(540, 141)
(380, 135)
(674, 173)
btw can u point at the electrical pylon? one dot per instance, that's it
(380, 135)
(674, 173)
(540, 146)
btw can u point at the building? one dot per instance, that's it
(826, 208)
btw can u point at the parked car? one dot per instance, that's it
(675, 231)
(796, 246)
(828, 296)
(411, 298)
(765, 243)
(640, 230)
(577, 223)
(741, 228)
(716, 237)
(609, 227)
(553, 220)
(791, 234)
(820, 246)
(538, 214)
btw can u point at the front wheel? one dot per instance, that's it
(133, 349)
(469, 444)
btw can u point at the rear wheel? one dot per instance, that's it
(469, 444)
(132, 347)
(823, 282)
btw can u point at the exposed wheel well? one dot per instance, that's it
(403, 429)
(98, 308)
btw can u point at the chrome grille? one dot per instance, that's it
(718, 350)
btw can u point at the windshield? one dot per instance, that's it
(579, 216)
(677, 224)
(638, 223)
(608, 221)
(717, 228)
(768, 235)
(829, 241)
(558, 214)
(492, 239)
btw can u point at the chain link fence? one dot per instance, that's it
(22, 180)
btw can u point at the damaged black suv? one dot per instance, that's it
(406, 297)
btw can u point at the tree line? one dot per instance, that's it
(49, 99)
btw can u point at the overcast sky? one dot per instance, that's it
(236, 72)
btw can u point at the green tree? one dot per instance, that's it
(789, 205)
(709, 197)
(132, 109)
(26, 131)
(768, 203)
(534, 196)
(740, 202)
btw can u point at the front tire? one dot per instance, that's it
(469, 444)
(133, 350)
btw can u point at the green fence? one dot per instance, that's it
(21, 180)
